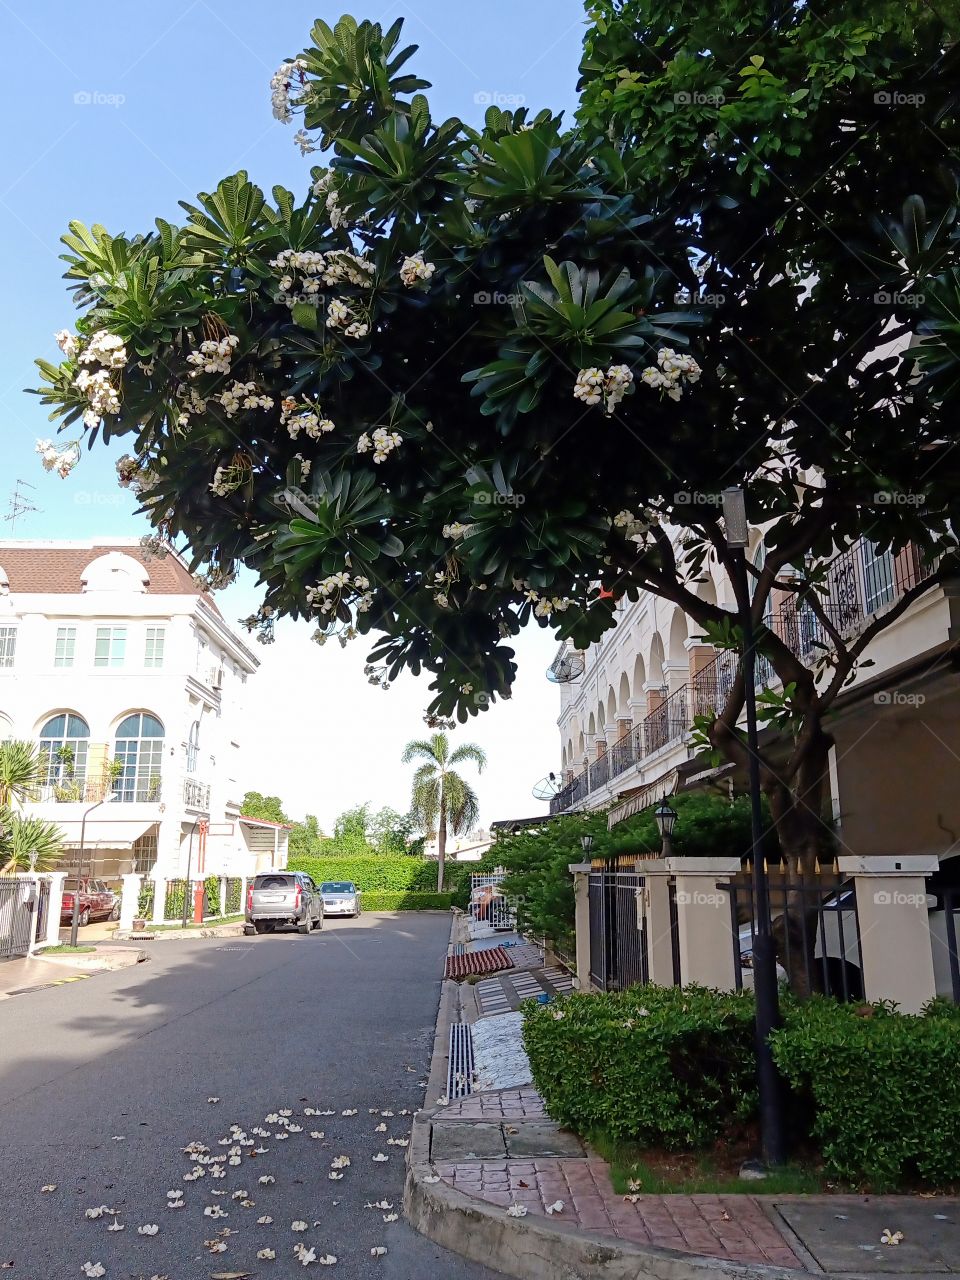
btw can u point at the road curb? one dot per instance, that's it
(534, 1248)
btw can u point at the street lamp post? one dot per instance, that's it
(766, 993)
(666, 819)
(75, 917)
(186, 887)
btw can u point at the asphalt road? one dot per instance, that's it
(339, 1021)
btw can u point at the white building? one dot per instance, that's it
(126, 673)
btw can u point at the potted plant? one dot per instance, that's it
(67, 788)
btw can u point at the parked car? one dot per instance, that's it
(340, 898)
(276, 898)
(97, 901)
(836, 962)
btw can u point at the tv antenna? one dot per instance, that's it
(20, 504)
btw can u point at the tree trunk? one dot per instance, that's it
(441, 841)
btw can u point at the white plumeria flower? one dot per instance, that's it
(267, 1177)
(317, 1133)
(93, 1269)
(272, 1118)
(517, 1211)
(148, 1229)
(264, 1221)
(285, 1111)
(334, 1175)
(215, 1246)
(415, 270)
(298, 1225)
(266, 1255)
(556, 1207)
(379, 1204)
(381, 1128)
(326, 1113)
(328, 1260)
(391, 1217)
(214, 1211)
(305, 1255)
(349, 1113)
(175, 1194)
(116, 1226)
(294, 1128)
(431, 1179)
(378, 1251)
(213, 1099)
(340, 1162)
(50, 1186)
(380, 1158)
(386, 1113)
(67, 342)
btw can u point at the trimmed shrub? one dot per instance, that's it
(664, 1066)
(884, 1088)
(211, 887)
(380, 901)
(372, 874)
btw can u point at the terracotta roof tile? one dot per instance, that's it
(56, 569)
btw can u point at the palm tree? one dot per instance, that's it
(440, 797)
(26, 844)
(23, 769)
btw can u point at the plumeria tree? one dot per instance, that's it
(441, 799)
(469, 378)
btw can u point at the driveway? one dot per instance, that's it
(103, 1082)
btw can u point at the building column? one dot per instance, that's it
(653, 914)
(705, 932)
(676, 673)
(130, 901)
(54, 907)
(896, 946)
(223, 896)
(581, 894)
(159, 899)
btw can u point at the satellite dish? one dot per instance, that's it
(568, 667)
(547, 787)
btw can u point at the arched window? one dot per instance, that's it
(139, 751)
(193, 747)
(63, 741)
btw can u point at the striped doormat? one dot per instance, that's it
(489, 960)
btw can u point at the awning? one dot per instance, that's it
(642, 799)
(105, 833)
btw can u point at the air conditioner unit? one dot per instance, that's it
(216, 678)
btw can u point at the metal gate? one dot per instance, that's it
(618, 941)
(17, 919)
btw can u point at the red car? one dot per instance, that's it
(97, 902)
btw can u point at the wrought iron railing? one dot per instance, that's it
(618, 941)
(196, 794)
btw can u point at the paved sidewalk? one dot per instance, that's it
(26, 974)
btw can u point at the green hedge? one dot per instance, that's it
(370, 874)
(404, 901)
(884, 1089)
(663, 1066)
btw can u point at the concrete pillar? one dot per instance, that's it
(895, 940)
(581, 893)
(130, 900)
(159, 899)
(56, 879)
(653, 911)
(223, 896)
(676, 673)
(704, 929)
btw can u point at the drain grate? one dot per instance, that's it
(460, 1061)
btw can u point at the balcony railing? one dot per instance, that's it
(858, 584)
(196, 794)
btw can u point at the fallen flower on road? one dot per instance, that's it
(397, 1142)
(118, 1137)
(317, 1133)
(215, 1246)
(391, 1217)
(379, 1204)
(352, 1113)
(285, 1111)
(381, 1128)
(51, 1186)
(378, 1251)
(266, 1254)
(264, 1221)
(517, 1211)
(267, 1177)
(380, 1157)
(431, 1179)
(294, 1128)
(213, 1099)
(93, 1269)
(891, 1237)
(148, 1229)
(298, 1225)
(340, 1162)
(328, 1260)
(116, 1226)
(305, 1255)
(175, 1194)
(386, 1113)
(99, 1211)
(556, 1207)
(334, 1175)
(214, 1211)
(326, 1113)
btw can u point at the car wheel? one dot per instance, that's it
(261, 926)
(84, 917)
(304, 926)
(250, 929)
(115, 913)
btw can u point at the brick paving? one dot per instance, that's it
(499, 1104)
(506, 992)
(734, 1228)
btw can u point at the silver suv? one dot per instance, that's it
(283, 897)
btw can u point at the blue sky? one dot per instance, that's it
(113, 114)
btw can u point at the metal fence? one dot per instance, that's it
(173, 901)
(618, 942)
(951, 906)
(816, 929)
(17, 916)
